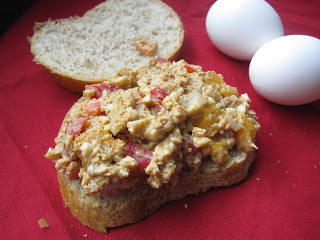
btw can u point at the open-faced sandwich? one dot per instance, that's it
(144, 138)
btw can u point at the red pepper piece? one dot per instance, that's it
(162, 60)
(100, 87)
(75, 126)
(93, 108)
(142, 155)
(157, 95)
(190, 69)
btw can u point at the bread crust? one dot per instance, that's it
(132, 205)
(72, 84)
(76, 82)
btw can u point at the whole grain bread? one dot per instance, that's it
(132, 205)
(85, 50)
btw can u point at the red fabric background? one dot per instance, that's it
(279, 199)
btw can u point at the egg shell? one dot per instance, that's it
(238, 28)
(286, 70)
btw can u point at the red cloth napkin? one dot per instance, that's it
(279, 199)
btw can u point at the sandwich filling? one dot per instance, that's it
(146, 126)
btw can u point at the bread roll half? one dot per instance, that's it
(79, 51)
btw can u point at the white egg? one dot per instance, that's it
(238, 28)
(286, 70)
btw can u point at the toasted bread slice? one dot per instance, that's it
(117, 33)
(132, 205)
(132, 158)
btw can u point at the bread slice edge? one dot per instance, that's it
(132, 205)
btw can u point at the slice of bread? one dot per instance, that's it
(90, 146)
(85, 50)
(132, 205)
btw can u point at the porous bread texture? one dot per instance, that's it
(132, 205)
(84, 50)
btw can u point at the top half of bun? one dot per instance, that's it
(84, 50)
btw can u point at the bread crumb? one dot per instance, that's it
(186, 206)
(278, 161)
(258, 179)
(270, 134)
(43, 223)
(85, 235)
(26, 146)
